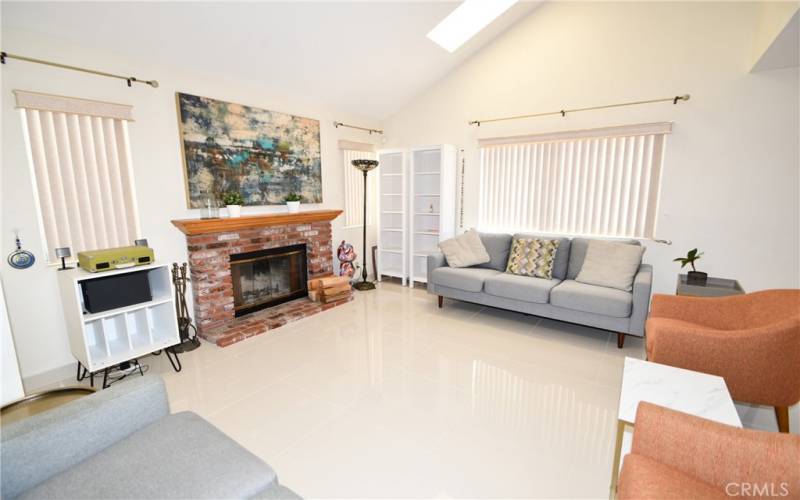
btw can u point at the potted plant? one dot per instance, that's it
(293, 202)
(694, 276)
(233, 201)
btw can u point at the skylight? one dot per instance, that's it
(466, 21)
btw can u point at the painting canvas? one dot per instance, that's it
(264, 155)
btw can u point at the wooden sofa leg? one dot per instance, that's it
(620, 340)
(441, 301)
(782, 414)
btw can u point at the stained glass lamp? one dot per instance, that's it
(365, 166)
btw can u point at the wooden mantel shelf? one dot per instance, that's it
(192, 227)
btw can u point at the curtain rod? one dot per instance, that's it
(130, 79)
(563, 112)
(365, 129)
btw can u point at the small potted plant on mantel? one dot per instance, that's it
(233, 202)
(293, 202)
(694, 277)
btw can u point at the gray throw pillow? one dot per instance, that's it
(610, 264)
(464, 250)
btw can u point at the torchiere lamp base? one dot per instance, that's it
(364, 286)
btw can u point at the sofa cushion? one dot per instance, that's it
(570, 294)
(497, 245)
(179, 456)
(611, 264)
(525, 288)
(469, 279)
(532, 257)
(562, 254)
(577, 253)
(464, 250)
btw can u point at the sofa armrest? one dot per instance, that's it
(435, 260)
(642, 285)
(41, 446)
(716, 453)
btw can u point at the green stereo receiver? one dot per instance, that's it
(115, 258)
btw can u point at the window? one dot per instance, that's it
(354, 184)
(594, 182)
(80, 158)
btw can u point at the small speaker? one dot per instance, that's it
(63, 253)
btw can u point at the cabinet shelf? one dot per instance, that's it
(104, 339)
(122, 310)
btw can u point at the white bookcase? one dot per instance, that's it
(392, 214)
(107, 338)
(417, 189)
(432, 212)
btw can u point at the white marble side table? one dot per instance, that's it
(696, 393)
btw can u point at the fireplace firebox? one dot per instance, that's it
(268, 277)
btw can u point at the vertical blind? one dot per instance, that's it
(79, 154)
(354, 189)
(593, 182)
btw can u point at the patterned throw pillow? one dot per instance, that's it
(532, 257)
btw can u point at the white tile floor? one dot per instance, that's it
(390, 397)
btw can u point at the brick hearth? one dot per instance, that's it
(210, 270)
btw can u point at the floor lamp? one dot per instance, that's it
(365, 166)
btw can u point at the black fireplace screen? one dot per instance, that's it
(268, 277)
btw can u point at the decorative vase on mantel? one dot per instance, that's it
(293, 202)
(233, 202)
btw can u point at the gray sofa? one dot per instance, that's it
(560, 298)
(123, 443)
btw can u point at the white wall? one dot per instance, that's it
(730, 183)
(32, 296)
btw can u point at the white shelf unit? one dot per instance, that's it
(392, 210)
(433, 205)
(107, 338)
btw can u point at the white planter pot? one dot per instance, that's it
(294, 206)
(234, 210)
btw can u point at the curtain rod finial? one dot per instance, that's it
(153, 83)
(3, 57)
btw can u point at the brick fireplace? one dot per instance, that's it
(214, 244)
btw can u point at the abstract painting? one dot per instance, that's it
(264, 155)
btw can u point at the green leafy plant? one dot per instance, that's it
(232, 198)
(691, 257)
(293, 197)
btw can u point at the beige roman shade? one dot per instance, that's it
(80, 158)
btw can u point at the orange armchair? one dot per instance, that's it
(752, 341)
(676, 455)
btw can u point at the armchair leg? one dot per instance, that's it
(441, 301)
(782, 414)
(620, 340)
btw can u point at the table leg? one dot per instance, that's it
(617, 457)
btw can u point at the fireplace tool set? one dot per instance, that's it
(189, 340)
